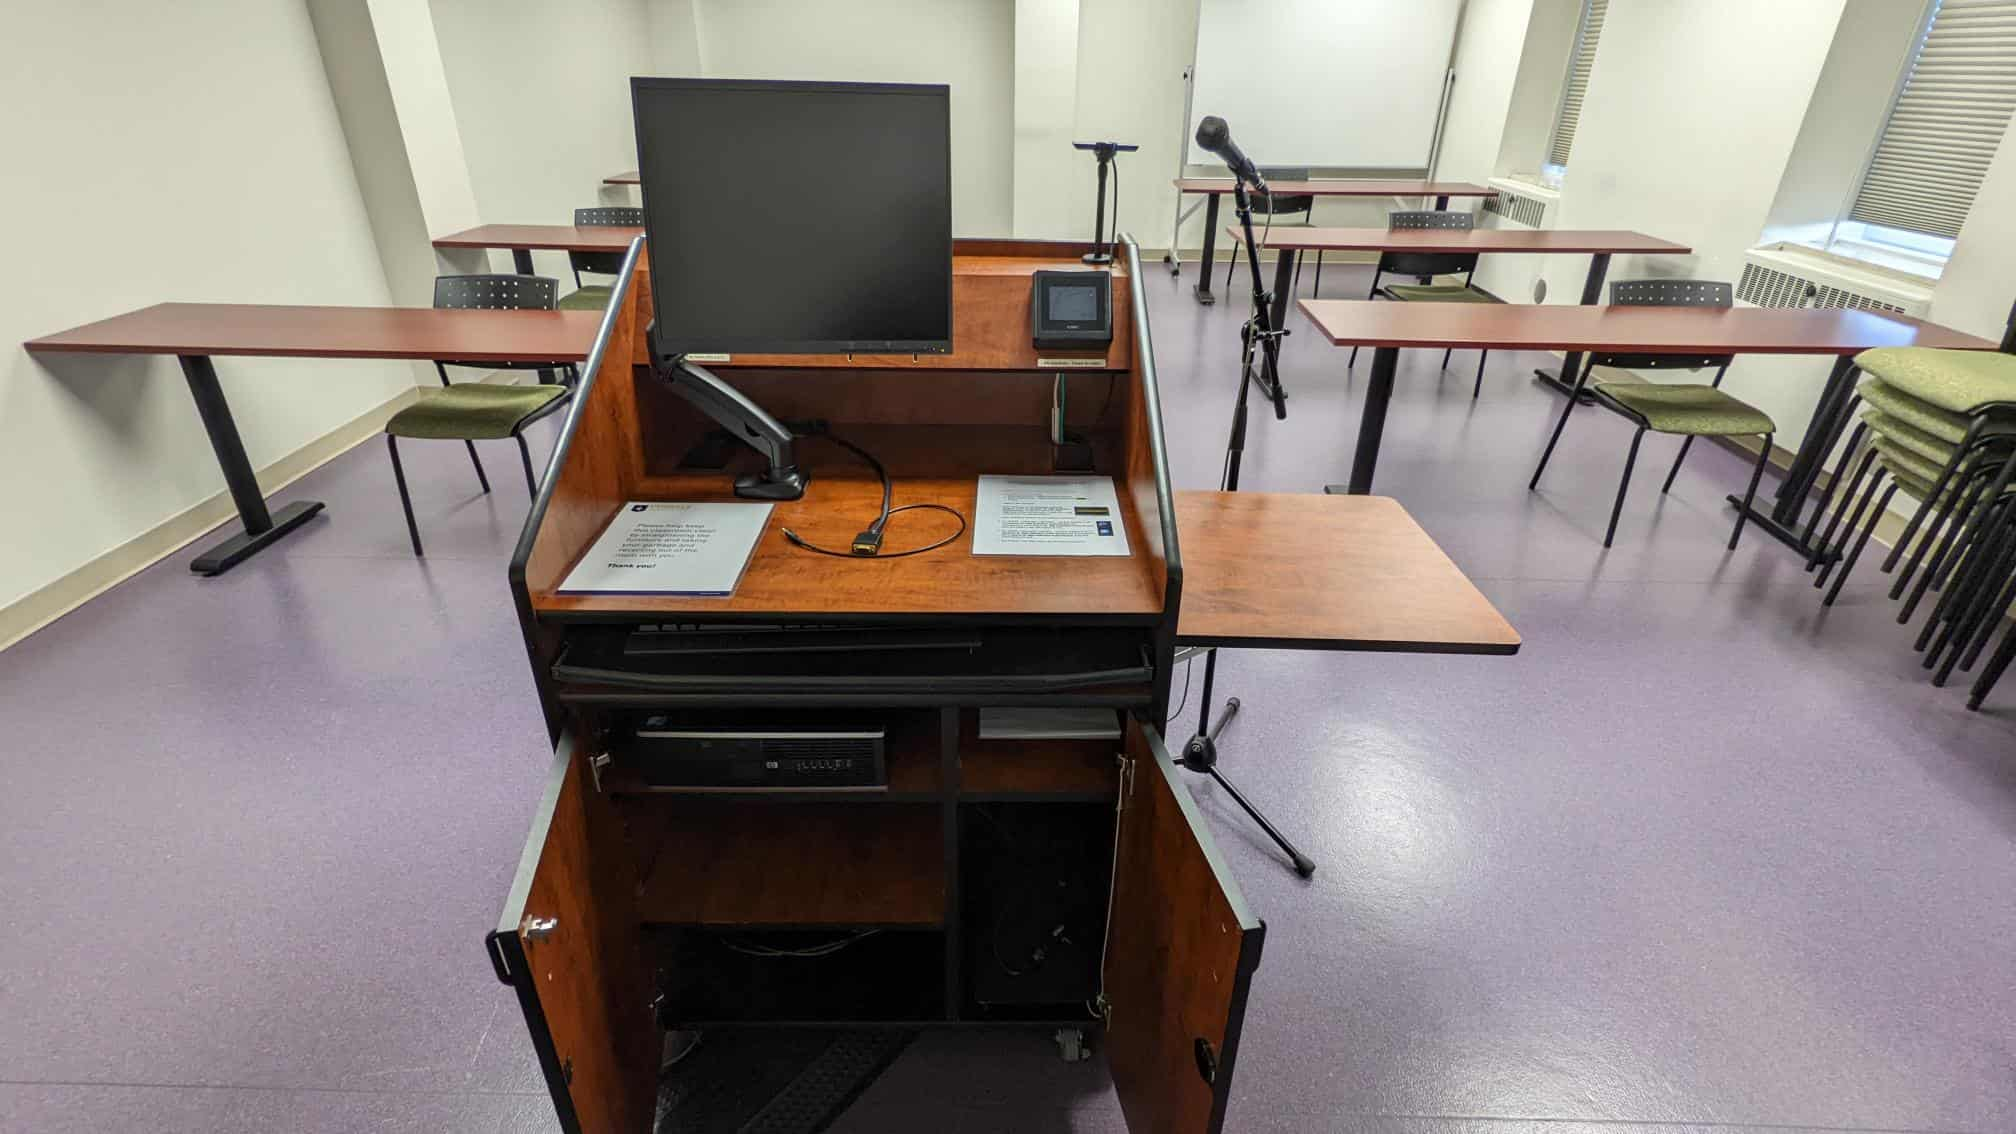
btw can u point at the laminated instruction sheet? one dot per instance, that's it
(655, 547)
(1048, 515)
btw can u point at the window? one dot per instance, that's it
(1577, 85)
(1951, 110)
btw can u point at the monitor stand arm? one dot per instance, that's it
(748, 422)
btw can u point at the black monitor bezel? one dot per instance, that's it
(668, 351)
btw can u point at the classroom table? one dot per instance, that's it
(629, 177)
(1598, 244)
(525, 239)
(1842, 333)
(197, 332)
(1212, 188)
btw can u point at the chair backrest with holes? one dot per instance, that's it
(496, 292)
(1669, 293)
(603, 263)
(1428, 263)
(1283, 204)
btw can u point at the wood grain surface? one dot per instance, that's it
(844, 496)
(1180, 954)
(991, 320)
(1306, 571)
(1327, 187)
(589, 974)
(1528, 240)
(335, 332)
(762, 864)
(1652, 330)
(544, 237)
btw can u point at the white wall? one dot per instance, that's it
(1853, 93)
(1977, 289)
(232, 182)
(1049, 198)
(541, 95)
(1696, 154)
(1131, 58)
(1535, 101)
(966, 43)
(1487, 67)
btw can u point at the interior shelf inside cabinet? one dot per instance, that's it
(821, 976)
(912, 757)
(1034, 769)
(742, 863)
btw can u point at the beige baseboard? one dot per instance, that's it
(46, 604)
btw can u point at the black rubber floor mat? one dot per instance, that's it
(772, 1080)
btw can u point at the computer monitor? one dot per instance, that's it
(797, 217)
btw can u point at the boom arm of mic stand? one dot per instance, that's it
(1270, 335)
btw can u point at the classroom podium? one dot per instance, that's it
(638, 908)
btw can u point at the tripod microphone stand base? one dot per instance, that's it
(1201, 755)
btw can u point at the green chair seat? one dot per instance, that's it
(1909, 437)
(1957, 381)
(1913, 487)
(593, 297)
(1904, 461)
(1686, 408)
(1438, 293)
(1943, 424)
(472, 411)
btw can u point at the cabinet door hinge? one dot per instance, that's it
(596, 763)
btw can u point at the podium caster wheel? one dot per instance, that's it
(1071, 1046)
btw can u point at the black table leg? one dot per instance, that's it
(1284, 286)
(1592, 293)
(1830, 415)
(261, 527)
(1372, 422)
(1203, 288)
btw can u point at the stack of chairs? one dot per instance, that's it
(1940, 427)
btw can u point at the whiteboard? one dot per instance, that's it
(1351, 83)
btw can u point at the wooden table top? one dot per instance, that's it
(1651, 330)
(631, 177)
(335, 332)
(1277, 570)
(1343, 187)
(545, 237)
(1307, 239)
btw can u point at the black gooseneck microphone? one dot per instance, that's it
(1215, 137)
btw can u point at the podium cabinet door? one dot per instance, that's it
(1180, 956)
(569, 943)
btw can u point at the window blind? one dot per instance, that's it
(1948, 119)
(1579, 65)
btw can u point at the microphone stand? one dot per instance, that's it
(1257, 335)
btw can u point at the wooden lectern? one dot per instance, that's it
(638, 908)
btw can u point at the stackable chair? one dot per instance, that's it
(594, 297)
(1426, 265)
(477, 411)
(1940, 425)
(1274, 206)
(1686, 410)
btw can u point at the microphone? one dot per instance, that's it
(1215, 137)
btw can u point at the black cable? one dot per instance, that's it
(868, 544)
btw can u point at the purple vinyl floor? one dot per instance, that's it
(1702, 857)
